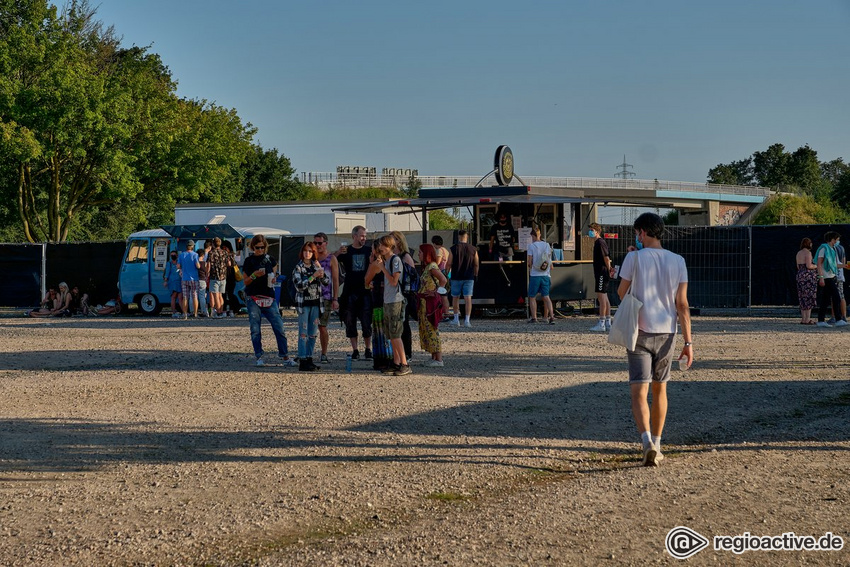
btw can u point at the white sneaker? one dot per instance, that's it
(260, 362)
(841, 323)
(433, 362)
(607, 325)
(823, 324)
(599, 327)
(650, 456)
(455, 322)
(467, 324)
(288, 362)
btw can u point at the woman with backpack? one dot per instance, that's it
(430, 304)
(409, 286)
(309, 278)
(390, 265)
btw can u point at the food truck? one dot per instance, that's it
(147, 253)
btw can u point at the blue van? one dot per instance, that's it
(147, 253)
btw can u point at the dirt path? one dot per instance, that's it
(134, 441)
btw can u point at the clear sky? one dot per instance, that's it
(677, 86)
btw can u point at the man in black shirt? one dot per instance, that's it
(355, 301)
(464, 271)
(502, 239)
(603, 270)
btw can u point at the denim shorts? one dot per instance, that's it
(652, 358)
(538, 284)
(218, 286)
(462, 288)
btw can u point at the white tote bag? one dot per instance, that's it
(624, 327)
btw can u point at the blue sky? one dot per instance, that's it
(571, 87)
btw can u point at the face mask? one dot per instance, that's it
(591, 234)
(638, 243)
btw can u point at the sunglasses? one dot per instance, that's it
(259, 247)
(319, 242)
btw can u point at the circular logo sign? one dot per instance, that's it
(504, 165)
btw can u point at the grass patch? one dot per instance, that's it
(448, 497)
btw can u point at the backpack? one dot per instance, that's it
(409, 279)
(541, 263)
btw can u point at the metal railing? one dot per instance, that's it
(328, 179)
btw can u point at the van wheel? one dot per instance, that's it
(149, 304)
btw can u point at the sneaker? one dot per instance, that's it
(658, 456)
(324, 359)
(598, 328)
(551, 320)
(435, 363)
(185, 317)
(650, 455)
(367, 354)
(455, 322)
(608, 325)
(467, 324)
(175, 315)
(532, 321)
(390, 369)
(355, 355)
(403, 370)
(286, 361)
(841, 323)
(823, 324)
(830, 321)
(260, 362)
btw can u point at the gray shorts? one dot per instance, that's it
(218, 286)
(840, 286)
(652, 357)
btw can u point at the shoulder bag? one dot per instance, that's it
(624, 327)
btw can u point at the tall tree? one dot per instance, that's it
(268, 176)
(770, 167)
(735, 173)
(88, 127)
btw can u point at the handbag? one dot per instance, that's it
(237, 274)
(624, 327)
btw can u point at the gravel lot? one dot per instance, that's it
(151, 441)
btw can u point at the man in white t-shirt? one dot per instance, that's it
(539, 258)
(660, 280)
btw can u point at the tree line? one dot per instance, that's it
(808, 191)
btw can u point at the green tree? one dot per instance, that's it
(412, 187)
(89, 130)
(268, 176)
(804, 170)
(770, 167)
(799, 209)
(735, 173)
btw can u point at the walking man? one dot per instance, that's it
(464, 271)
(603, 271)
(330, 292)
(355, 301)
(661, 282)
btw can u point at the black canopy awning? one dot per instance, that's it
(201, 231)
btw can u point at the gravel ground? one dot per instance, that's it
(150, 441)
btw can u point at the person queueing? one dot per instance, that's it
(390, 265)
(603, 271)
(382, 351)
(807, 282)
(464, 272)
(661, 282)
(539, 261)
(173, 281)
(330, 291)
(827, 264)
(430, 304)
(260, 300)
(355, 301)
(219, 263)
(309, 277)
(189, 266)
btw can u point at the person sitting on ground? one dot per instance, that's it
(79, 302)
(61, 304)
(48, 304)
(111, 307)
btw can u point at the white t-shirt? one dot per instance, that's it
(535, 251)
(659, 274)
(821, 253)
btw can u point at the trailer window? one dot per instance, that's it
(137, 252)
